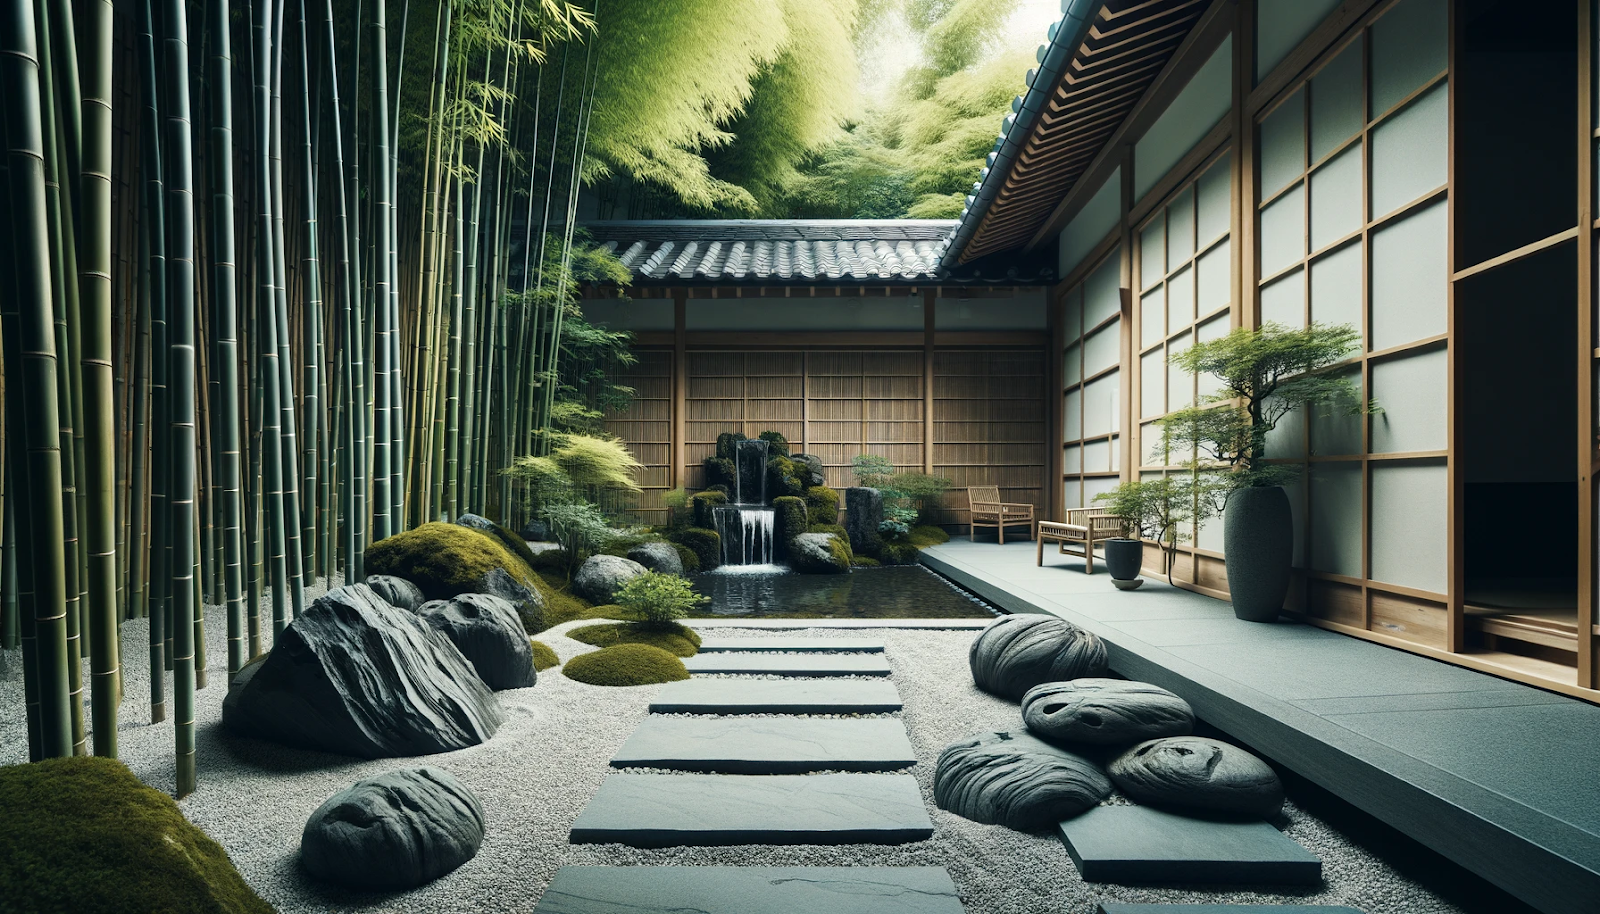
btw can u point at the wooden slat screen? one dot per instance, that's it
(647, 427)
(989, 425)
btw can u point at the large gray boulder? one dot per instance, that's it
(659, 557)
(1016, 780)
(1192, 772)
(529, 605)
(1020, 651)
(535, 531)
(818, 553)
(488, 633)
(477, 522)
(396, 831)
(863, 514)
(814, 466)
(601, 576)
(397, 592)
(1105, 712)
(356, 676)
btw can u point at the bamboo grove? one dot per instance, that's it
(281, 278)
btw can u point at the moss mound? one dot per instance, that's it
(923, 537)
(554, 560)
(560, 605)
(446, 559)
(626, 665)
(705, 543)
(900, 553)
(544, 657)
(791, 519)
(84, 834)
(823, 504)
(689, 558)
(675, 639)
(705, 505)
(864, 561)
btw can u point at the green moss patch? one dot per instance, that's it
(864, 561)
(823, 504)
(84, 834)
(704, 542)
(560, 605)
(445, 559)
(675, 639)
(544, 657)
(626, 665)
(923, 537)
(901, 553)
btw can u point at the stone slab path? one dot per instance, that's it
(740, 745)
(1140, 844)
(750, 890)
(738, 696)
(1107, 907)
(801, 645)
(810, 665)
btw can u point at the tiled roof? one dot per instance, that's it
(776, 251)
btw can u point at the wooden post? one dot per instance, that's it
(680, 385)
(1588, 676)
(929, 308)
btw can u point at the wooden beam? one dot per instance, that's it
(1588, 674)
(929, 331)
(680, 386)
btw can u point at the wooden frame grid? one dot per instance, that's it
(1074, 336)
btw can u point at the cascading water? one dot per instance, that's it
(747, 528)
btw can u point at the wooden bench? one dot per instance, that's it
(989, 511)
(1083, 526)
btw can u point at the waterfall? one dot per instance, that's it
(750, 471)
(747, 534)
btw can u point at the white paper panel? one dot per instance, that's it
(1410, 532)
(1102, 349)
(1180, 300)
(1410, 278)
(1336, 101)
(1215, 283)
(1072, 493)
(1180, 230)
(1283, 144)
(1094, 485)
(1216, 201)
(1214, 329)
(1336, 287)
(1284, 301)
(1102, 291)
(1072, 328)
(1072, 366)
(1152, 382)
(1152, 316)
(1288, 440)
(1335, 495)
(1410, 151)
(1100, 398)
(1408, 49)
(1072, 422)
(1097, 456)
(1150, 435)
(1153, 252)
(1283, 24)
(1413, 392)
(1180, 384)
(1334, 432)
(1336, 198)
(1283, 231)
(1072, 459)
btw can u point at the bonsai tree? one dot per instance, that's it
(659, 599)
(1266, 374)
(1159, 509)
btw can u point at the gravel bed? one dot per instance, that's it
(540, 770)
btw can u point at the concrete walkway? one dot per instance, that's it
(1493, 774)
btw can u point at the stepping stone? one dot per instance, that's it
(790, 664)
(1108, 907)
(1140, 844)
(734, 696)
(792, 645)
(750, 890)
(767, 745)
(714, 810)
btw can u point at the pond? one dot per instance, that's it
(901, 592)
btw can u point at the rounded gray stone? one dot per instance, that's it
(1105, 712)
(601, 576)
(476, 522)
(813, 464)
(658, 557)
(488, 633)
(397, 592)
(498, 582)
(1018, 652)
(1016, 780)
(811, 553)
(1193, 772)
(399, 830)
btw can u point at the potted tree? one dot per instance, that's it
(1156, 509)
(1266, 374)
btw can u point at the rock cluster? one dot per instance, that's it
(1020, 651)
(396, 831)
(488, 633)
(1105, 712)
(1192, 772)
(397, 592)
(1016, 780)
(528, 604)
(601, 576)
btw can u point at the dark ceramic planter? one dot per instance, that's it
(1258, 538)
(1123, 558)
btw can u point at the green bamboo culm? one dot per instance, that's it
(268, 375)
(383, 522)
(158, 555)
(181, 355)
(29, 340)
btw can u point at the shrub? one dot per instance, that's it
(586, 466)
(790, 521)
(823, 505)
(444, 560)
(728, 445)
(675, 639)
(543, 656)
(776, 443)
(626, 665)
(85, 834)
(920, 491)
(705, 505)
(872, 470)
(580, 529)
(659, 598)
(706, 544)
(691, 562)
(898, 554)
(720, 471)
(676, 502)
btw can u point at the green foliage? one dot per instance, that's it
(580, 529)
(1266, 374)
(705, 505)
(571, 609)
(785, 476)
(925, 536)
(85, 834)
(898, 553)
(444, 560)
(907, 497)
(822, 505)
(790, 520)
(720, 472)
(688, 557)
(590, 468)
(672, 637)
(676, 501)
(864, 561)
(872, 470)
(626, 665)
(777, 444)
(659, 598)
(728, 445)
(705, 543)
(544, 657)
(1163, 508)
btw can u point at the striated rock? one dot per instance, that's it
(1106, 712)
(814, 466)
(659, 557)
(356, 676)
(529, 605)
(818, 553)
(396, 831)
(1192, 772)
(863, 513)
(1016, 780)
(488, 633)
(1018, 652)
(600, 576)
(397, 592)
(476, 522)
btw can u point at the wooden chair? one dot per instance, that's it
(989, 511)
(1084, 527)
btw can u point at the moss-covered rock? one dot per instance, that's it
(689, 558)
(789, 521)
(777, 443)
(705, 543)
(822, 503)
(720, 472)
(84, 834)
(445, 559)
(819, 553)
(898, 553)
(626, 665)
(705, 506)
(552, 560)
(675, 638)
(728, 445)
(544, 657)
(864, 561)
(785, 477)
(925, 536)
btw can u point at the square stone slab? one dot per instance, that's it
(796, 745)
(712, 810)
(800, 645)
(734, 696)
(790, 664)
(1139, 844)
(750, 890)
(1108, 907)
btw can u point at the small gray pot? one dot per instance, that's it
(1123, 558)
(1258, 538)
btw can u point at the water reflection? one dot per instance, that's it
(910, 591)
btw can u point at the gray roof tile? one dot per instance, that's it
(777, 250)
